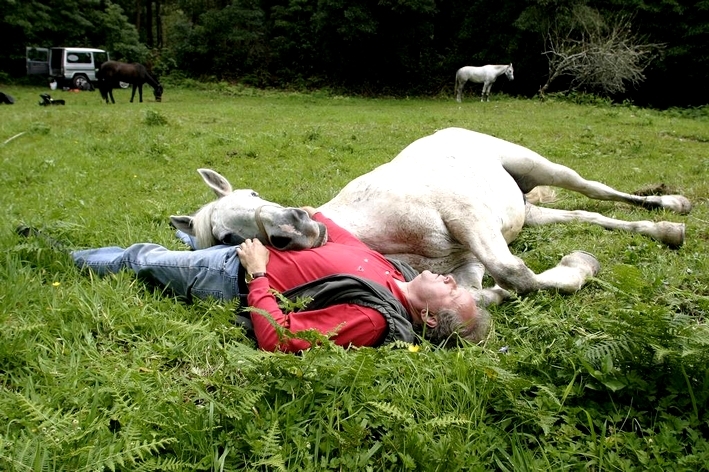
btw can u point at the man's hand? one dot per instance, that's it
(253, 255)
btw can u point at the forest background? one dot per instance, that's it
(364, 47)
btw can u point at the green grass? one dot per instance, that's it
(107, 373)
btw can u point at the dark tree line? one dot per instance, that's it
(396, 47)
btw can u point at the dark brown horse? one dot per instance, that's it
(112, 72)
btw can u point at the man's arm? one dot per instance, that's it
(355, 325)
(349, 325)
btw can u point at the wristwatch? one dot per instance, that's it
(249, 277)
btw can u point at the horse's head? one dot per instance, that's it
(242, 214)
(510, 72)
(157, 91)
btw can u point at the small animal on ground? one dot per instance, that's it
(450, 203)
(47, 100)
(486, 75)
(112, 72)
(6, 98)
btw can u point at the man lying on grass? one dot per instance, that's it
(359, 297)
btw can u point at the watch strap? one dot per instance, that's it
(255, 275)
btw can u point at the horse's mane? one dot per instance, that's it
(151, 79)
(201, 225)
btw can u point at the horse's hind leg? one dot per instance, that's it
(671, 234)
(532, 170)
(459, 84)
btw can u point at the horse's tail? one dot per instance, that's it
(541, 194)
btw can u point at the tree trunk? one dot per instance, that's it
(149, 23)
(158, 24)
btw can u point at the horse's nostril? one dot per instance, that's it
(232, 239)
(280, 242)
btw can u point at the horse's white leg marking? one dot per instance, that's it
(671, 234)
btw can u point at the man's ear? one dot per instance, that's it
(429, 318)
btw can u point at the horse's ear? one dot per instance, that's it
(216, 182)
(183, 223)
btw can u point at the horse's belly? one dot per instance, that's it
(430, 198)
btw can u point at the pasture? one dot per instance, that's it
(106, 373)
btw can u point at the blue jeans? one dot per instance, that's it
(204, 273)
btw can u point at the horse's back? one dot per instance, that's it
(451, 175)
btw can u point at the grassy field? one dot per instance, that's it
(106, 373)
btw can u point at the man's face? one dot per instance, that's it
(442, 291)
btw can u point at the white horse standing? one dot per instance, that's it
(486, 75)
(451, 203)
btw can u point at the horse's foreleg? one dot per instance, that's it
(486, 92)
(671, 234)
(533, 170)
(510, 272)
(489, 246)
(140, 92)
(132, 95)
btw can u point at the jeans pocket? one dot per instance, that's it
(205, 294)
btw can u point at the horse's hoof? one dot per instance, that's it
(583, 260)
(677, 203)
(671, 234)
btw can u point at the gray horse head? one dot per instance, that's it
(242, 214)
(510, 72)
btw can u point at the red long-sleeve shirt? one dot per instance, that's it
(349, 324)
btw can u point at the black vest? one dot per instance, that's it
(344, 288)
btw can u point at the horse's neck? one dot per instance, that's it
(151, 80)
(500, 70)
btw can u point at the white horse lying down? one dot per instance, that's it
(451, 203)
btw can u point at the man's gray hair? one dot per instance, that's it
(450, 329)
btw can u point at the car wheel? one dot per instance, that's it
(80, 82)
(123, 85)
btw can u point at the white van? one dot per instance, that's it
(70, 67)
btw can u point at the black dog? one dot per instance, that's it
(5, 98)
(48, 100)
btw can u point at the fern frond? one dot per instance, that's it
(45, 418)
(392, 411)
(271, 449)
(125, 452)
(613, 348)
(161, 464)
(445, 421)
